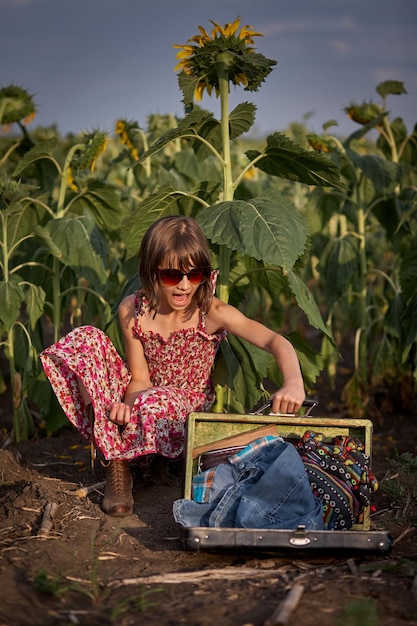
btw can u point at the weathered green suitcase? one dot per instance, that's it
(207, 431)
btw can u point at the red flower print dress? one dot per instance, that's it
(180, 370)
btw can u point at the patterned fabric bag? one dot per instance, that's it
(339, 474)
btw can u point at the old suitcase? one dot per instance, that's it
(211, 431)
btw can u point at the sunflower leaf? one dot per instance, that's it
(265, 229)
(41, 151)
(188, 127)
(241, 119)
(283, 158)
(161, 203)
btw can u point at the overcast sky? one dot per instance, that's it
(90, 62)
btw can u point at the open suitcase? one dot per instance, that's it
(212, 431)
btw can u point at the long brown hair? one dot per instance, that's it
(175, 242)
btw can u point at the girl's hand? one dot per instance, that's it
(119, 413)
(288, 399)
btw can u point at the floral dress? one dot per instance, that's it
(180, 371)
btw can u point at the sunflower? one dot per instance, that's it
(95, 145)
(200, 56)
(320, 143)
(125, 131)
(363, 113)
(16, 105)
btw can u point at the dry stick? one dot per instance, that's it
(283, 613)
(403, 534)
(407, 504)
(352, 567)
(83, 492)
(226, 573)
(47, 519)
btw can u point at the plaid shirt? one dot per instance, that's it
(203, 482)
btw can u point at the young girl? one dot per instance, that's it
(171, 329)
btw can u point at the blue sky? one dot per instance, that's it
(90, 62)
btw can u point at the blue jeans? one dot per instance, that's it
(261, 487)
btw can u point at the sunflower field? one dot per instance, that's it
(314, 235)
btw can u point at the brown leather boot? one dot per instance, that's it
(118, 498)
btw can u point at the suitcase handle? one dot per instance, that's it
(311, 404)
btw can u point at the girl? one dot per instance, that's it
(171, 329)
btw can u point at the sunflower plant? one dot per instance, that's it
(257, 240)
(52, 256)
(365, 246)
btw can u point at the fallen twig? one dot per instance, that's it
(403, 534)
(282, 614)
(352, 567)
(47, 519)
(407, 504)
(375, 513)
(83, 492)
(226, 573)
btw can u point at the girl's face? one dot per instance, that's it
(177, 288)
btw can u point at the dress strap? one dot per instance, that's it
(138, 311)
(202, 316)
(213, 280)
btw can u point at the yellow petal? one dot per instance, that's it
(183, 66)
(199, 90)
(230, 29)
(186, 51)
(198, 39)
(217, 30)
(247, 32)
(241, 79)
(29, 118)
(204, 33)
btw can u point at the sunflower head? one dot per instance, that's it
(126, 131)
(17, 105)
(95, 145)
(229, 44)
(363, 113)
(320, 143)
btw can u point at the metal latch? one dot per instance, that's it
(299, 538)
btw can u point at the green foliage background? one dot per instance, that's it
(317, 232)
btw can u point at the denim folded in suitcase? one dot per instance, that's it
(213, 438)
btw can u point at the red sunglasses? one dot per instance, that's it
(170, 278)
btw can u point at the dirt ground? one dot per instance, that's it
(91, 569)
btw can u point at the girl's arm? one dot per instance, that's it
(137, 364)
(290, 396)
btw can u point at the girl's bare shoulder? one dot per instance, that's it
(128, 303)
(218, 315)
(127, 310)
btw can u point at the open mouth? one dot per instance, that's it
(180, 298)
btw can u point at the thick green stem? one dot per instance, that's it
(63, 186)
(224, 271)
(4, 246)
(228, 188)
(391, 140)
(56, 297)
(362, 351)
(228, 192)
(14, 387)
(223, 75)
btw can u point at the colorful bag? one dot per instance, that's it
(339, 474)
